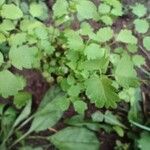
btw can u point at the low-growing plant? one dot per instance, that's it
(87, 65)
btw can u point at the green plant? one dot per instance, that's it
(96, 66)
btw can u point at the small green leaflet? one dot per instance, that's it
(146, 42)
(86, 10)
(80, 106)
(74, 138)
(36, 9)
(17, 39)
(41, 33)
(101, 92)
(74, 90)
(21, 99)
(125, 73)
(141, 25)
(7, 25)
(10, 11)
(60, 8)
(116, 7)
(132, 48)
(138, 60)
(104, 34)
(74, 40)
(97, 116)
(10, 83)
(126, 36)
(112, 119)
(93, 51)
(114, 3)
(23, 56)
(106, 20)
(139, 10)
(104, 8)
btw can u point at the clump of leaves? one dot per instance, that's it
(96, 66)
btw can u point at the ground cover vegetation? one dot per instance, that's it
(74, 75)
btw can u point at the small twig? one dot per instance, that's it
(52, 129)
(37, 137)
(147, 54)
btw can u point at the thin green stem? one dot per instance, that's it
(140, 126)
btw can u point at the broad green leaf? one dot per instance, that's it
(94, 51)
(138, 60)
(1, 59)
(23, 56)
(60, 8)
(112, 119)
(49, 96)
(139, 10)
(73, 138)
(146, 42)
(143, 142)
(80, 106)
(126, 36)
(125, 73)
(141, 25)
(86, 10)
(49, 112)
(63, 104)
(21, 99)
(104, 34)
(101, 92)
(79, 121)
(10, 83)
(24, 114)
(74, 40)
(11, 11)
